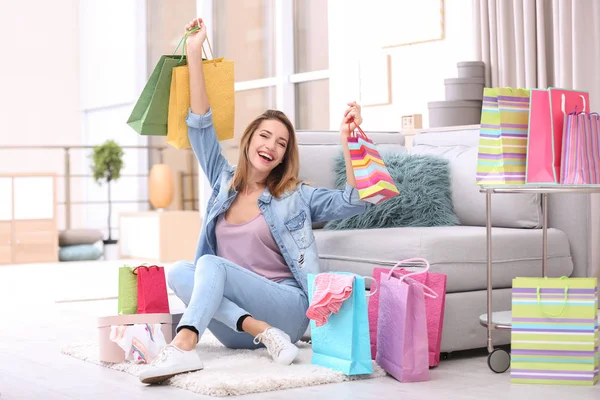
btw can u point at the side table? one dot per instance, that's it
(499, 359)
(162, 236)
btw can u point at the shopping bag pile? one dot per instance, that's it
(554, 335)
(373, 180)
(163, 105)
(538, 136)
(434, 308)
(142, 290)
(398, 306)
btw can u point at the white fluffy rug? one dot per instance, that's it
(235, 372)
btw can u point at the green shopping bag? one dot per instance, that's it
(554, 336)
(150, 113)
(128, 284)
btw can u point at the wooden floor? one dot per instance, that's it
(33, 327)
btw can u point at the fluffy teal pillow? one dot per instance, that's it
(425, 195)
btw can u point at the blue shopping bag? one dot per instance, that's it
(344, 343)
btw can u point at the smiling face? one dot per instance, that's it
(267, 147)
(268, 154)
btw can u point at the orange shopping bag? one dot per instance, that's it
(219, 82)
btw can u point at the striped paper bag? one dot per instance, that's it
(503, 137)
(580, 160)
(554, 337)
(373, 181)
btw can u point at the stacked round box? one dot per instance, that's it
(463, 97)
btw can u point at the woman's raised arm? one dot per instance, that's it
(201, 131)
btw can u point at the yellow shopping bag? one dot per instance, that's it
(219, 81)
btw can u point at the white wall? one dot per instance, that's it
(69, 75)
(39, 83)
(418, 71)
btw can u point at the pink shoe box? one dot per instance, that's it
(110, 351)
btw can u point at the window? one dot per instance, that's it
(311, 63)
(243, 32)
(280, 49)
(312, 105)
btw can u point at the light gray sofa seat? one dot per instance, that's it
(459, 252)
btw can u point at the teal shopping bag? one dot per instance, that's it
(344, 343)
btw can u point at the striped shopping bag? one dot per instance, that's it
(373, 181)
(503, 137)
(580, 160)
(554, 337)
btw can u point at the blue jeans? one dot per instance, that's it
(217, 293)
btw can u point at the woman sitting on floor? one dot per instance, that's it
(248, 284)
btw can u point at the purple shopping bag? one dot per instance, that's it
(402, 344)
(434, 309)
(581, 149)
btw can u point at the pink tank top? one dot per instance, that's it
(251, 245)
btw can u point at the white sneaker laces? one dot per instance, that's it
(163, 356)
(273, 340)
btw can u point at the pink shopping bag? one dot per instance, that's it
(434, 308)
(152, 290)
(581, 149)
(548, 111)
(402, 344)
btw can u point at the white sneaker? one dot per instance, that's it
(170, 362)
(279, 345)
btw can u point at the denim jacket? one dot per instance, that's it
(289, 217)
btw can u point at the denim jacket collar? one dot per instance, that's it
(266, 196)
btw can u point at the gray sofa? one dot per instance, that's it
(458, 251)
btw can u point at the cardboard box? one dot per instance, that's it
(110, 352)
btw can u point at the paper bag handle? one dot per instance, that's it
(145, 266)
(360, 132)
(184, 39)
(562, 309)
(376, 285)
(431, 293)
(563, 100)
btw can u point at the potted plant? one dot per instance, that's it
(106, 167)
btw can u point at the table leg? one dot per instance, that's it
(544, 232)
(488, 225)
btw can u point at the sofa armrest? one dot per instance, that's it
(571, 213)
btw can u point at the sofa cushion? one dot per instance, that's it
(424, 200)
(458, 251)
(461, 147)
